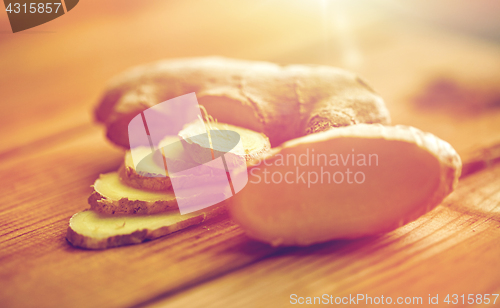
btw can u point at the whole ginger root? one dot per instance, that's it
(283, 102)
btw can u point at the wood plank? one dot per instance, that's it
(451, 250)
(39, 268)
(53, 74)
(51, 153)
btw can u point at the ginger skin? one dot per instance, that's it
(283, 102)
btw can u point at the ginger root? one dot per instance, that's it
(358, 180)
(283, 102)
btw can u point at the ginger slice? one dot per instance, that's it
(344, 183)
(111, 196)
(246, 144)
(92, 230)
(184, 168)
(152, 174)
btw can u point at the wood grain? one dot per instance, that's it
(51, 153)
(442, 252)
(39, 268)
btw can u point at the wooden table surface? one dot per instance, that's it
(51, 76)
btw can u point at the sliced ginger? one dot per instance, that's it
(408, 174)
(152, 175)
(93, 230)
(221, 138)
(111, 196)
(144, 169)
(184, 168)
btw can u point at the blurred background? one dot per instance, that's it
(436, 63)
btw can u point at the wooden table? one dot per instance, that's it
(51, 152)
